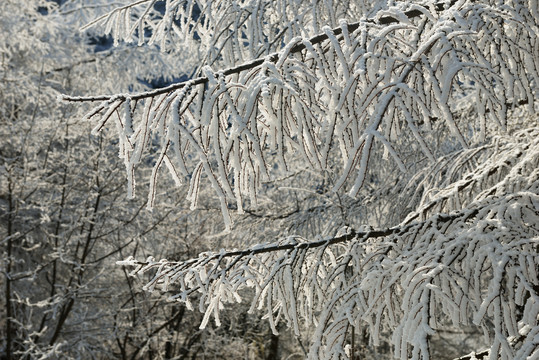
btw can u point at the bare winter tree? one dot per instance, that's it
(411, 125)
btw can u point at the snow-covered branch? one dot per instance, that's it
(354, 90)
(290, 244)
(274, 57)
(414, 280)
(475, 265)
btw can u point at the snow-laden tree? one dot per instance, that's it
(383, 156)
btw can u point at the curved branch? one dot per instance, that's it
(382, 20)
(260, 249)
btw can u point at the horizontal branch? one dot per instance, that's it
(383, 20)
(363, 235)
